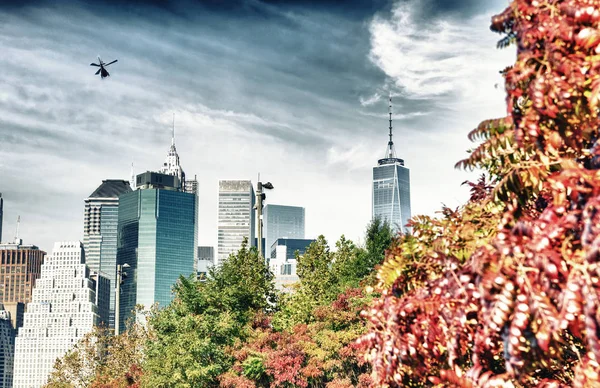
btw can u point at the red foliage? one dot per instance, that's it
(524, 309)
(284, 365)
(317, 354)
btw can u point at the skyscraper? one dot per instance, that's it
(101, 216)
(391, 187)
(171, 166)
(283, 222)
(20, 267)
(7, 349)
(1, 215)
(236, 217)
(61, 312)
(158, 234)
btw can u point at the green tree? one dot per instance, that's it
(354, 266)
(192, 335)
(378, 238)
(101, 359)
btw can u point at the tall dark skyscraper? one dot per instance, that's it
(391, 187)
(283, 222)
(101, 216)
(7, 349)
(158, 235)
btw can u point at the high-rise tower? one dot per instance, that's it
(101, 216)
(158, 240)
(62, 310)
(7, 348)
(391, 187)
(20, 268)
(236, 217)
(282, 222)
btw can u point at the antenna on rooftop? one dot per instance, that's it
(17, 240)
(391, 142)
(173, 133)
(132, 182)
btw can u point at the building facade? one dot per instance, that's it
(283, 260)
(62, 310)
(101, 216)
(283, 222)
(206, 259)
(391, 193)
(20, 267)
(158, 235)
(391, 188)
(236, 219)
(7, 349)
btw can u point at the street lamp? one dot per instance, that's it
(121, 275)
(260, 197)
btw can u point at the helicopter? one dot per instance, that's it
(102, 67)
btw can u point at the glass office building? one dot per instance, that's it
(391, 187)
(236, 217)
(158, 234)
(391, 193)
(101, 215)
(283, 222)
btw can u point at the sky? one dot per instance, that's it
(294, 90)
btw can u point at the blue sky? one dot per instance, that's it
(290, 89)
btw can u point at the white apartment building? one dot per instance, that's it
(61, 312)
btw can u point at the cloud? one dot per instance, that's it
(370, 100)
(434, 57)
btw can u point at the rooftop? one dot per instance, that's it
(111, 188)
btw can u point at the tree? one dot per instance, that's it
(192, 335)
(318, 354)
(101, 359)
(517, 307)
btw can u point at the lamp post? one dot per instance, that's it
(260, 197)
(120, 276)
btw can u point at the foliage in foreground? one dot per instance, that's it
(513, 299)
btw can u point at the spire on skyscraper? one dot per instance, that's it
(391, 152)
(132, 181)
(173, 133)
(171, 165)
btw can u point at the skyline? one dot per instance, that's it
(302, 84)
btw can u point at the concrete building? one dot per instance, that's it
(62, 310)
(391, 188)
(20, 267)
(283, 222)
(7, 349)
(206, 259)
(158, 240)
(283, 260)
(101, 216)
(236, 217)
